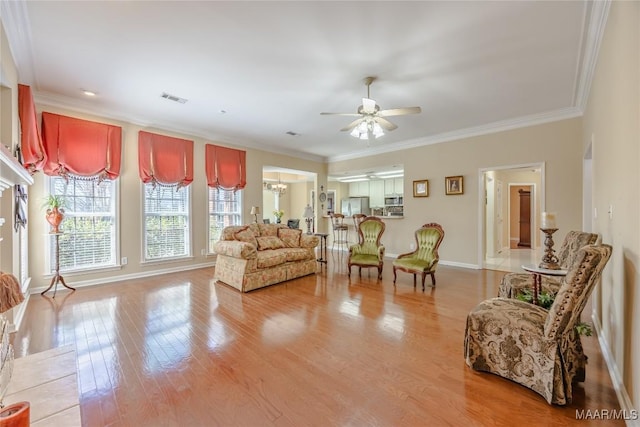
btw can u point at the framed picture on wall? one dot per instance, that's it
(453, 185)
(421, 188)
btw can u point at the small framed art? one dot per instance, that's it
(421, 188)
(453, 185)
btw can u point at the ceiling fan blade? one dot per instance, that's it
(399, 111)
(368, 106)
(341, 114)
(353, 124)
(386, 124)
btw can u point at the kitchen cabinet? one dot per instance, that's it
(394, 186)
(359, 189)
(376, 193)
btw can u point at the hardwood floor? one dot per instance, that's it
(321, 350)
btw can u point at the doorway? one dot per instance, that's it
(501, 228)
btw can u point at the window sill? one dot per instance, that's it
(81, 271)
(167, 260)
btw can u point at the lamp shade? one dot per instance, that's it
(308, 212)
(255, 210)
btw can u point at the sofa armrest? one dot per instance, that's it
(309, 241)
(235, 249)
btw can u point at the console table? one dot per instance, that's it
(537, 272)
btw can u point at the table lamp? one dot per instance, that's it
(255, 211)
(308, 217)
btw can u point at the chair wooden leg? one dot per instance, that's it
(380, 272)
(414, 280)
(394, 276)
(433, 279)
(360, 271)
(424, 275)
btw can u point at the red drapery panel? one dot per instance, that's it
(225, 167)
(164, 159)
(80, 147)
(31, 144)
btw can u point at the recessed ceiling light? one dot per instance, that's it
(88, 92)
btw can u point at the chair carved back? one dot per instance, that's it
(370, 232)
(428, 239)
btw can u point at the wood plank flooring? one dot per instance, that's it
(323, 350)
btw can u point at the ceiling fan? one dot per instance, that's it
(372, 121)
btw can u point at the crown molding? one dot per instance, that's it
(495, 127)
(17, 26)
(595, 23)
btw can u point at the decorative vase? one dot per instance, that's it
(54, 217)
(278, 220)
(15, 415)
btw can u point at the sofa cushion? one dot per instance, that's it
(297, 254)
(270, 258)
(246, 235)
(269, 242)
(229, 231)
(268, 229)
(290, 237)
(309, 241)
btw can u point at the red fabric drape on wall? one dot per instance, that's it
(31, 143)
(164, 159)
(225, 167)
(80, 147)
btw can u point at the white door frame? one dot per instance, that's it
(481, 202)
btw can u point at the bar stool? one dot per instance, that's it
(340, 231)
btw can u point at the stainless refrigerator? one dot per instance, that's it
(355, 205)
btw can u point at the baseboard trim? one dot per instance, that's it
(114, 279)
(621, 392)
(460, 264)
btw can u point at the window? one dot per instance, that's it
(89, 227)
(225, 209)
(166, 222)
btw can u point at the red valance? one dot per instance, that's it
(226, 167)
(80, 147)
(31, 143)
(164, 159)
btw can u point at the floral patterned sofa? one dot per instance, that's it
(258, 255)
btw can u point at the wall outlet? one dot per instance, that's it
(124, 260)
(412, 246)
(610, 211)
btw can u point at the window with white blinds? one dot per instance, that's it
(166, 222)
(225, 209)
(89, 227)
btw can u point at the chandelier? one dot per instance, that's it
(367, 129)
(278, 189)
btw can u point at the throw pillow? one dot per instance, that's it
(246, 235)
(269, 242)
(290, 237)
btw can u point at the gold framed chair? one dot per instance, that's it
(534, 347)
(369, 252)
(424, 259)
(340, 230)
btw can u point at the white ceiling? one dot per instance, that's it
(274, 66)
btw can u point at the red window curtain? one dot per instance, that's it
(165, 160)
(226, 167)
(31, 144)
(80, 147)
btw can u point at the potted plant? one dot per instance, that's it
(54, 211)
(545, 300)
(278, 214)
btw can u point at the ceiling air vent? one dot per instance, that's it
(174, 98)
(292, 133)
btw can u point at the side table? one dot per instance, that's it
(323, 247)
(537, 272)
(56, 276)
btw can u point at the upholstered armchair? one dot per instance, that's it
(369, 252)
(513, 284)
(424, 259)
(537, 348)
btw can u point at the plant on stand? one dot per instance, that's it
(54, 211)
(278, 214)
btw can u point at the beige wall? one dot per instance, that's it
(557, 144)
(131, 207)
(611, 121)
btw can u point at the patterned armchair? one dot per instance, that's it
(513, 284)
(424, 259)
(537, 348)
(369, 252)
